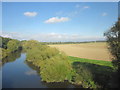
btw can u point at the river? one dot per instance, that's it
(17, 73)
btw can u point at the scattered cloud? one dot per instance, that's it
(30, 14)
(81, 7)
(57, 19)
(104, 14)
(6, 35)
(52, 37)
(15, 35)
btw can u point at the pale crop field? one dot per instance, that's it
(96, 51)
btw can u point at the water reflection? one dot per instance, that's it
(32, 66)
(11, 57)
(65, 84)
(31, 72)
(18, 73)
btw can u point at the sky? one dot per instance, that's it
(59, 0)
(58, 21)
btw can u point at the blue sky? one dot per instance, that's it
(48, 21)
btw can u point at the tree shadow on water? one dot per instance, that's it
(11, 57)
(64, 84)
(101, 75)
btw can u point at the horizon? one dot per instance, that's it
(58, 21)
(61, 41)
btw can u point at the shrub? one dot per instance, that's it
(83, 76)
(56, 69)
(54, 65)
(13, 45)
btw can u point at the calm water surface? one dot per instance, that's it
(17, 73)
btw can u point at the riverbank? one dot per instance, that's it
(55, 66)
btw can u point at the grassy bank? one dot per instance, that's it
(91, 61)
(100, 71)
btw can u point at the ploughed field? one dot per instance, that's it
(96, 51)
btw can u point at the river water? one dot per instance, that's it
(17, 73)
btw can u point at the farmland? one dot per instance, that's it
(54, 66)
(96, 51)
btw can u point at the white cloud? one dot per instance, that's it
(57, 19)
(6, 35)
(30, 14)
(52, 37)
(104, 14)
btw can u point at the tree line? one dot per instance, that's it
(8, 46)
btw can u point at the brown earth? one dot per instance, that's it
(97, 51)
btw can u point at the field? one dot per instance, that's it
(95, 51)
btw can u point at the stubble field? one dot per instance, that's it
(96, 51)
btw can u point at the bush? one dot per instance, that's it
(13, 45)
(83, 76)
(56, 69)
(54, 65)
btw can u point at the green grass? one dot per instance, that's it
(97, 62)
(92, 73)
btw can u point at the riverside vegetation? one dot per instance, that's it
(8, 46)
(55, 66)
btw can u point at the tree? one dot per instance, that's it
(13, 45)
(29, 44)
(113, 39)
(4, 41)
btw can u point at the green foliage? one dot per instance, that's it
(83, 76)
(10, 57)
(0, 53)
(113, 38)
(3, 53)
(8, 46)
(56, 69)
(13, 45)
(93, 73)
(54, 65)
(30, 44)
(3, 42)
